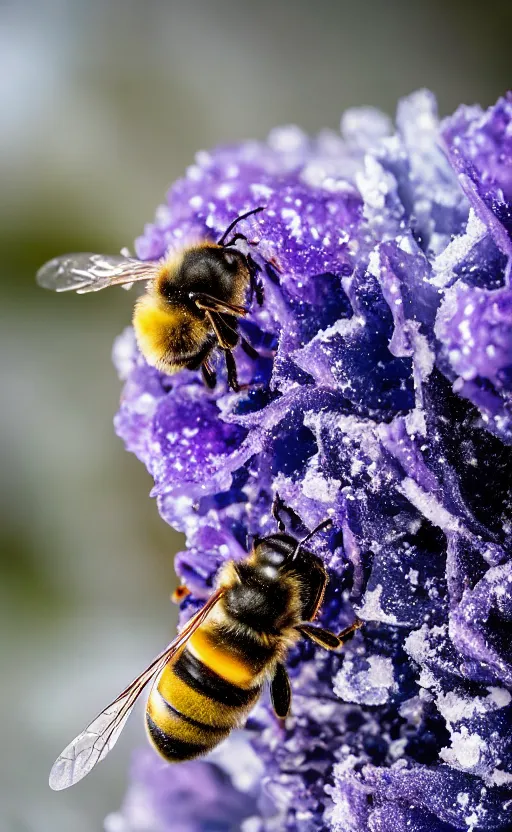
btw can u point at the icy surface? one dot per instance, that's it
(368, 686)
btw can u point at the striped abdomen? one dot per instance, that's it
(205, 693)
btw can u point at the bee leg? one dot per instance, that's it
(277, 507)
(280, 692)
(232, 373)
(258, 291)
(249, 349)
(255, 283)
(326, 639)
(209, 374)
(227, 336)
(211, 304)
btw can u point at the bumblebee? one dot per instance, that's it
(208, 679)
(192, 303)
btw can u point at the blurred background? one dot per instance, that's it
(103, 104)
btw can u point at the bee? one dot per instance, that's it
(207, 680)
(192, 303)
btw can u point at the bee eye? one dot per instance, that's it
(166, 289)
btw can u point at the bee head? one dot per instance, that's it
(207, 269)
(280, 553)
(258, 598)
(273, 550)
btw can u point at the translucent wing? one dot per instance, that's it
(93, 744)
(85, 272)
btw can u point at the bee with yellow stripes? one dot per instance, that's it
(193, 301)
(208, 679)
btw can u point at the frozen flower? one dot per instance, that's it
(381, 398)
(193, 797)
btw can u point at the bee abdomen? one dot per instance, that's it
(192, 708)
(199, 677)
(176, 736)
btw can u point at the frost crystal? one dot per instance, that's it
(382, 398)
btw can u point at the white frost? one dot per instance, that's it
(501, 778)
(417, 643)
(413, 576)
(456, 251)
(501, 697)
(454, 707)
(371, 609)
(413, 710)
(429, 506)
(287, 139)
(374, 183)
(465, 750)
(317, 487)
(371, 686)
(364, 126)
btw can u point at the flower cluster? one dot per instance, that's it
(382, 398)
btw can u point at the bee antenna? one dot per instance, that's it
(323, 525)
(235, 222)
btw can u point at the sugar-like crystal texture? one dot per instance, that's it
(382, 398)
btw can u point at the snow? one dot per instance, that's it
(413, 575)
(317, 487)
(465, 750)
(371, 609)
(454, 253)
(501, 778)
(371, 686)
(429, 506)
(455, 707)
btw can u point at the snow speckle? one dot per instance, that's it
(413, 575)
(445, 263)
(371, 686)
(501, 778)
(465, 750)
(455, 707)
(429, 506)
(371, 609)
(318, 487)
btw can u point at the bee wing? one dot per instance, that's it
(93, 744)
(85, 272)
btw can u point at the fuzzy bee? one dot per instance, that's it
(192, 302)
(207, 680)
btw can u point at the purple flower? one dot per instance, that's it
(192, 797)
(381, 398)
(479, 146)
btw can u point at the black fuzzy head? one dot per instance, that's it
(211, 270)
(259, 601)
(274, 551)
(278, 555)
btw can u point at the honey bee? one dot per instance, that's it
(192, 302)
(208, 679)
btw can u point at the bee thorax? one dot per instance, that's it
(261, 607)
